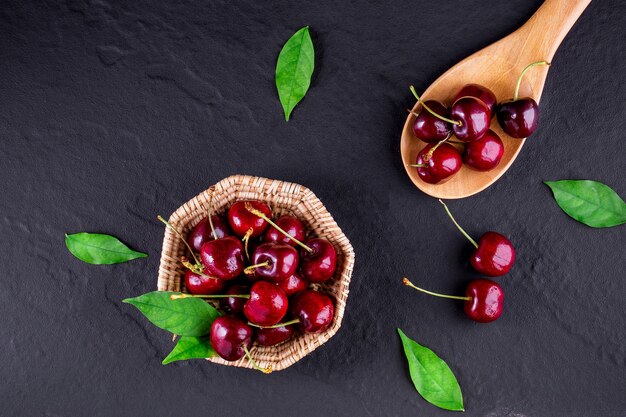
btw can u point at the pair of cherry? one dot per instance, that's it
(469, 120)
(493, 256)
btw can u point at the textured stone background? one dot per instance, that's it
(112, 112)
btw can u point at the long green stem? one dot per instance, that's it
(519, 79)
(457, 225)
(161, 219)
(408, 283)
(276, 326)
(445, 119)
(267, 370)
(181, 296)
(250, 269)
(267, 219)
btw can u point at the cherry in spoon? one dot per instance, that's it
(485, 153)
(436, 163)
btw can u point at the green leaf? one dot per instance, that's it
(294, 69)
(99, 249)
(184, 317)
(431, 376)
(589, 202)
(190, 348)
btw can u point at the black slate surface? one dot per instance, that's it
(112, 112)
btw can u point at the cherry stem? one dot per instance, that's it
(180, 236)
(251, 268)
(445, 119)
(432, 150)
(267, 370)
(181, 296)
(262, 215)
(245, 239)
(519, 79)
(417, 165)
(196, 269)
(457, 225)
(408, 283)
(275, 326)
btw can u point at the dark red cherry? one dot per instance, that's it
(318, 265)
(267, 304)
(314, 310)
(201, 233)
(241, 220)
(229, 335)
(202, 284)
(223, 258)
(494, 255)
(480, 92)
(289, 224)
(474, 117)
(430, 128)
(485, 153)
(235, 304)
(518, 118)
(274, 262)
(439, 165)
(486, 300)
(293, 285)
(274, 336)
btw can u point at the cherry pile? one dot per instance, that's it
(469, 120)
(493, 256)
(253, 264)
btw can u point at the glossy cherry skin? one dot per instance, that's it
(519, 118)
(444, 162)
(228, 336)
(267, 304)
(241, 220)
(480, 92)
(201, 233)
(223, 258)
(314, 310)
(289, 224)
(271, 337)
(474, 116)
(283, 261)
(293, 285)
(485, 153)
(430, 128)
(235, 305)
(487, 300)
(199, 284)
(494, 256)
(320, 264)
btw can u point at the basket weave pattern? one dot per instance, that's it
(283, 198)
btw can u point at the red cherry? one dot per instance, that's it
(235, 304)
(486, 300)
(438, 165)
(314, 310)
(223, 258)
(318, 264)
(293, 285)
(494, 255)
(230, 336)
(202, 233)
(241, 220)
(430, 128)
(290, 224)
(274, 262)
(267, 304)
(474, 117)
(275, 335)
(202, 284)
(480, 92)
(485, 153)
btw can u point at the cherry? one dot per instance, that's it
(485, 153)
(494, 255)
(319, 263)
(293, 285)
(223, 258)
(437, 162)
(314, 311)
(480, 92)
(519, 117)
(275, 335)
(484, 299)
(231, 338)
(202, 232)
(430, 128)
(235, 304)
(245, 223)
(275, 262)
(290, 224)
(267, 304)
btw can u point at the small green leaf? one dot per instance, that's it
(184, 317)
(190, 348)
(294, 69)
(99, 249)
(589, 202)
(431, 376)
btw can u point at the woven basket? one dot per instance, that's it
(283, 198)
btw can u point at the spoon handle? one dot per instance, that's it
(550, 24)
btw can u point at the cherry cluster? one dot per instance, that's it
(252, 263)
(469, 120)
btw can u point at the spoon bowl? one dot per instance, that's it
(496, 67)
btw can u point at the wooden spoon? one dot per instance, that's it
(496, 67)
